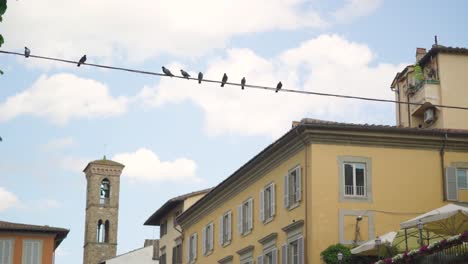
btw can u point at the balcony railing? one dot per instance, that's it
(355, 190)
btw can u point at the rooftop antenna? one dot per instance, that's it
(435, 40)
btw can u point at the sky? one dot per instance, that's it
(176, 136)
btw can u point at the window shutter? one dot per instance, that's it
(284, 254)
(239, 219)
(262, 205)
(211, 237)
(229, 226)
(273, 200)
(221, 229)
(6, 247)
(286, 191)
(300, 249)
(174, 258)
(260, 259)
(195, 246)
(250, 219)
(188, 251)
(299, 184)
(451, 184)
(204, 240)
(274, 254)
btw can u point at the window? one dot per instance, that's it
(100, 232)
(105, 192)
(207, 239)
(177, 254)
(462, 181)
(192, 248)
(163, 228)
(162, 258)
(293, 251)
(246, 255)
(106, 232)
(245, 217)
(267, 203)
(32, 252)
(270, 252)
(6, 251)
(292, 188)
(355, 179)
(225, 229)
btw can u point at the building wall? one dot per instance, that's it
(47, 245)
(405, 183)
(139, 256)
(283, 217)
(454, 81)
(168, 240)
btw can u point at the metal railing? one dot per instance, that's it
(355, 190)
(454, 255)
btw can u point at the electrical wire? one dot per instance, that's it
(236, 84)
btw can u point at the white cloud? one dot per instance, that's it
(62, 97)
(7, 199)
(356, 8)
(124, 30)
(58, 143)
(328, 63)
(145, 165)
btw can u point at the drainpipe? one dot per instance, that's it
(305, 188)
(408, 106)
(442, 165)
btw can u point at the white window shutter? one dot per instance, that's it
(274, 254)
(299, 184)
(188, 250)
(250, 219)
(262, 205)
(229, 226)
(286, 191)
(239, 219)
(6, 249)
(300, 249)
(284, 254)
(204, 240)
(221, 229)
(212, 237)
(451, 184)
(273, 200)
(260, 259)
(195, 246)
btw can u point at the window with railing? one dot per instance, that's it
(355, 179)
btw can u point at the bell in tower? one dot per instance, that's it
(102, 210)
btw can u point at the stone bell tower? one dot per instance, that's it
(102, 210)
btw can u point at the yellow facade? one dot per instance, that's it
(404, 177)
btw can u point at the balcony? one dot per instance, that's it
(426, 93)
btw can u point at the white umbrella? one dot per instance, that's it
(450, 219)
(370, 247)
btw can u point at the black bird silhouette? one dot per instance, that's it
(224, 80)
(82, 60)
(27, 52)
(200, 77)
(243, 83)
(185, 74)
(167, 71)
(278, 87)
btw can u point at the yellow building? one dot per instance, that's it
(324, 183)
(170, 232)
(437, 78)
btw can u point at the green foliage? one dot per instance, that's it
(386, 250)
(418, 73)
(329, 255)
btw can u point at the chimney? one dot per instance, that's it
(420, 52)
(155, 244)
(295, 124)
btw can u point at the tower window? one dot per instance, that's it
(106, 232)
(100, 232)
(105, 192)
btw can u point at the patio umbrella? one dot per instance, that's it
(450, 219)
(370, 248)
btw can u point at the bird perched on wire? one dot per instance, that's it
(81, 61)
(200, 77)
(224, 80)
(278, 87)
(27, 52)
(243, 83)
(167, 71)
(185, 74)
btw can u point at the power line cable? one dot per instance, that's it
(235, 84)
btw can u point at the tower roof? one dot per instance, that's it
(104, 162)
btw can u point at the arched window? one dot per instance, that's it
(106, 232)
(100, 232)
(105, 191)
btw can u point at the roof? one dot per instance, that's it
(442, 49)
(105, 162)
(315, 124)
(157, 216)
(60, 233)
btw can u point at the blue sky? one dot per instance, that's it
(176, 136)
